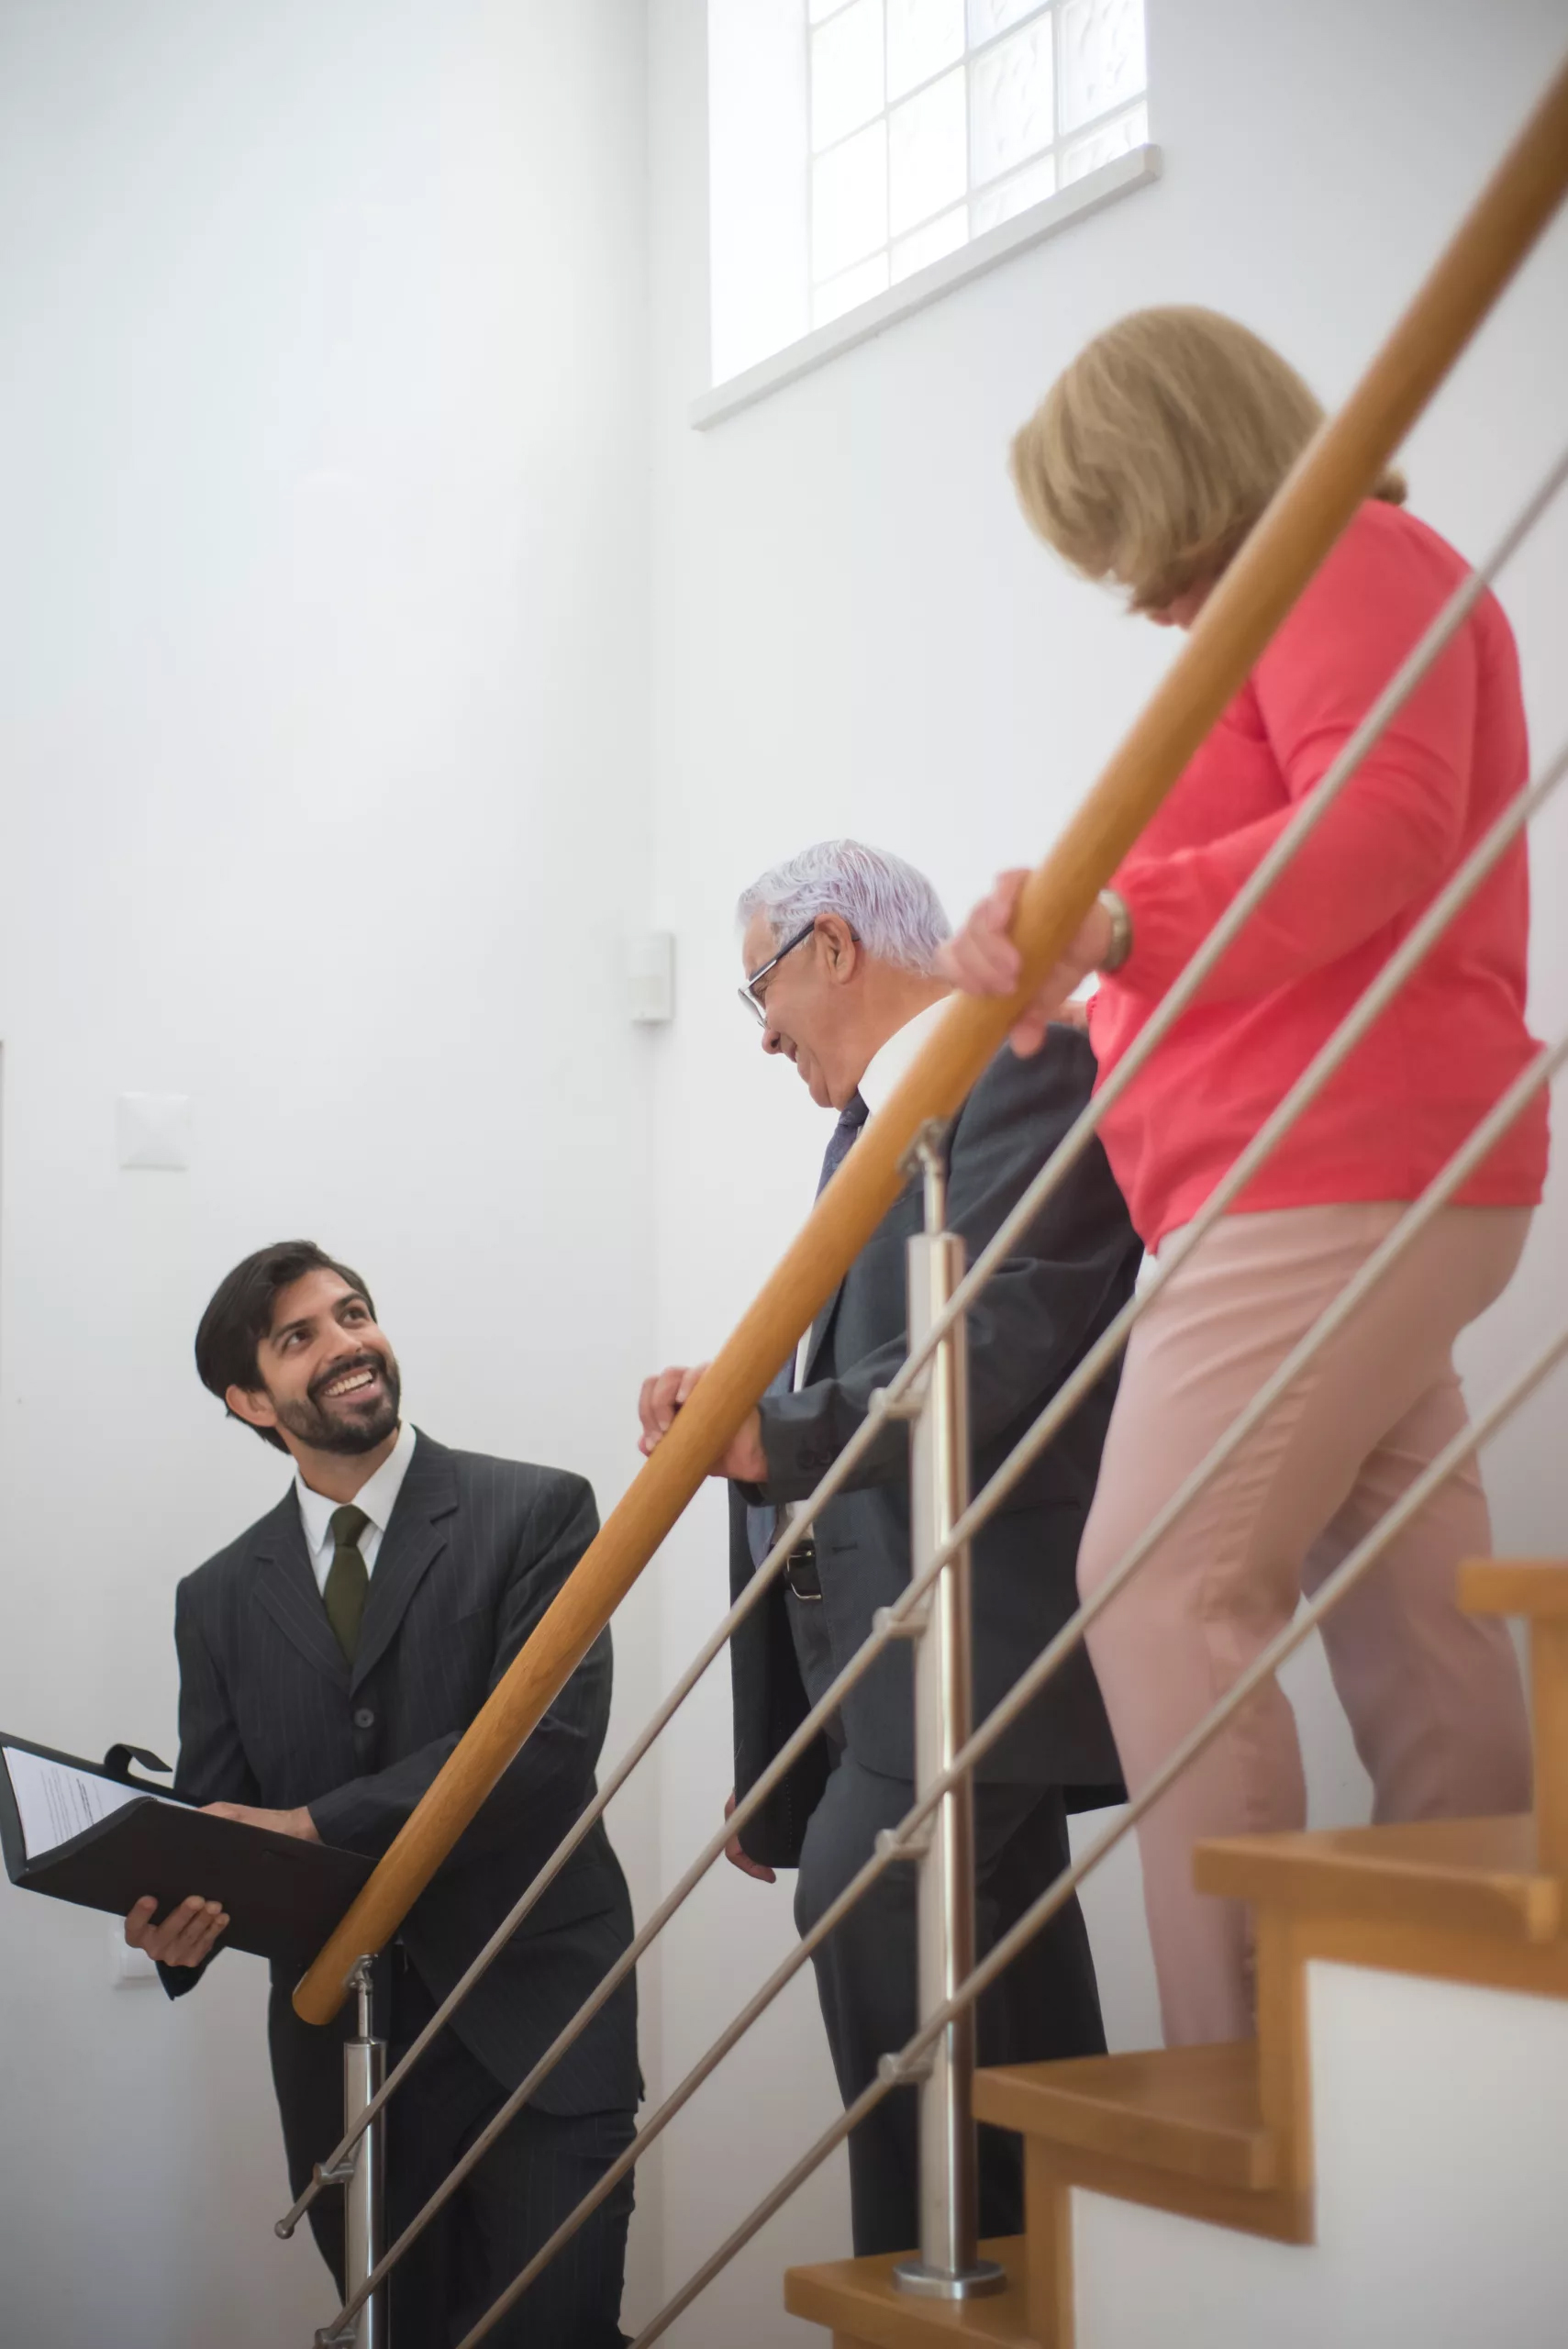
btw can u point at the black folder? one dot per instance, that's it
(283, 1895)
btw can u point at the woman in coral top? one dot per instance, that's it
(1147, 463)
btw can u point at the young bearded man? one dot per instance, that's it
(329, 1660)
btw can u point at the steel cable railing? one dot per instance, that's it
(896, 1843)
(897, 2070)
(1448, 903)
(885, 1404)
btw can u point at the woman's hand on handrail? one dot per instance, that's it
(981, 959)
(662, 1398)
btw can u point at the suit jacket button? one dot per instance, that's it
(364, 1717)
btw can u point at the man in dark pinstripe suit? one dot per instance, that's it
(329, 1660)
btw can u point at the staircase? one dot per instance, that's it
(1387, 2161)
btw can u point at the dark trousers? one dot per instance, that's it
(1045, 2004)
(531, 2178)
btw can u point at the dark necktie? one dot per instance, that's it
(851, 1117)
(763, 1521)
(348, 1578)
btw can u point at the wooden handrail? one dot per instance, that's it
(1334, 475)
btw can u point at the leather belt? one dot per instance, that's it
(801, 1576)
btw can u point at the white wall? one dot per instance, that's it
(323, 729)
(854, 632)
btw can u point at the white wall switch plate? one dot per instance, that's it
(650, 977)
(127, 1966)
(153, 1129)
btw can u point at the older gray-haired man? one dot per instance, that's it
(837, 947)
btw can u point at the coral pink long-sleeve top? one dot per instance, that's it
(1455, 1035)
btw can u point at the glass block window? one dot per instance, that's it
(932, 121)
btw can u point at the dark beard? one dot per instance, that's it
(312, 1425)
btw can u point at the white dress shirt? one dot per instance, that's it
(377, 1496)
(902, 1049)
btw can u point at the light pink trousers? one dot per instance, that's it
(1433, 1696)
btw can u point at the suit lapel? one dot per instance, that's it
(418, 1534)
(286, 1587)
(824, 1320)
(819, 1330)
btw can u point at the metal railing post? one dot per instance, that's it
(948, 2265)
(363, 2177)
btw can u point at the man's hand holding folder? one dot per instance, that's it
(187, 1936)
(190, 1934)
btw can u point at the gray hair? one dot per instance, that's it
(891, 908)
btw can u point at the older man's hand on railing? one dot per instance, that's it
(662, 1397)
(982, 960)
(739, 1859)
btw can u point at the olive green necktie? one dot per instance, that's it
(348, 1578)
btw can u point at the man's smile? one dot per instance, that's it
(352, 1381)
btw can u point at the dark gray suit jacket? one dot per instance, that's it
(270, 1714)
(1040, 1313)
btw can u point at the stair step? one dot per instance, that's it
(858, 2301)
(1535, 1587)
(1193, 2111)
(1460, 1875)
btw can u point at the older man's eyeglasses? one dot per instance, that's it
(747, 995)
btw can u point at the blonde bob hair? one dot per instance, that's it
(1152, 456)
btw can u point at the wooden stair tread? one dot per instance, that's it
(1194, 2112)
(1476, 1875)
(858, 2301)
(1537, 1587)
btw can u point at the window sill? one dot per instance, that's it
(1091, 194)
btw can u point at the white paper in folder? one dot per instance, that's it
(55, 1802)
